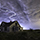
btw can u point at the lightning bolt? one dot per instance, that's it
(12, 16)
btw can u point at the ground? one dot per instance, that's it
(26, 35)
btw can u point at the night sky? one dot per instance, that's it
(26, 12)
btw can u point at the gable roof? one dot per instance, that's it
(5, 24)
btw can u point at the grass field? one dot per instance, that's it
(22, 35)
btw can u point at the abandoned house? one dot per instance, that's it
(10, 27)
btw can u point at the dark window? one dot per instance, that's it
(0, 29)
(16, 28)
(8, 29)
(19, 28)
(12, 28)
(5, 29)
(16, 24)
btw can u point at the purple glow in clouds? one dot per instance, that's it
(26, 12)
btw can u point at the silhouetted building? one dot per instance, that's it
(11, 27)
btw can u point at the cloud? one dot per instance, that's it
(27, 12)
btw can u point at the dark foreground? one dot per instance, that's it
(25, 35)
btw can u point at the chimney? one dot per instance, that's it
(10, 21)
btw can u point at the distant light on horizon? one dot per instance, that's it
(0, 22)
(24, 28)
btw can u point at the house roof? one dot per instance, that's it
(8, 22)
(5, 24)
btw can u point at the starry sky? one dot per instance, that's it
(26, 12)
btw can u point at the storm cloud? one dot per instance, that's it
(26, 12)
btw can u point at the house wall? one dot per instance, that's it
(21, 28)
(16, 27)
(10, 27)
(3, 29)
